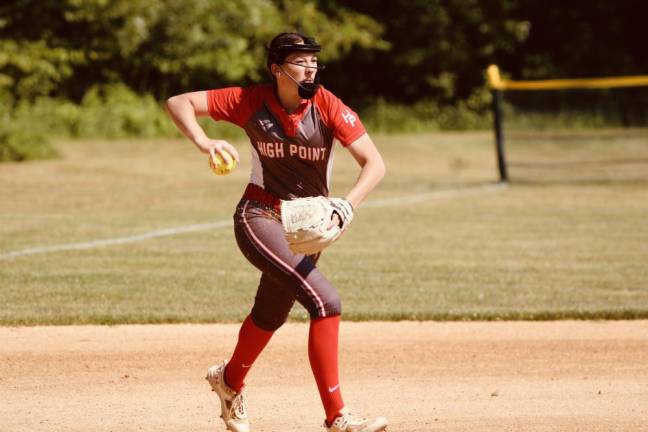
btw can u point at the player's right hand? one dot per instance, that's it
(220, 147)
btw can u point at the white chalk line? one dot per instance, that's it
(411, 199)
(119, 240)
(444, 193)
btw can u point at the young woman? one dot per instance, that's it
(291, 124)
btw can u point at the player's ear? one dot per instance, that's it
(276, 70)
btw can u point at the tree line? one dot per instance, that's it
(402, 51)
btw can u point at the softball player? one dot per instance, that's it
(291, 124)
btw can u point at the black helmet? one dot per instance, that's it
(285, 43)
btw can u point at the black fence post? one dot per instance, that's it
(499, 136)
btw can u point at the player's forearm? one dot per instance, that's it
(183, 114)
(372, 172)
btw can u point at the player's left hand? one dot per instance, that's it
(335, 221)
(342, 213)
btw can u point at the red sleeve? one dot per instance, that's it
(232, 104)
(341, 119)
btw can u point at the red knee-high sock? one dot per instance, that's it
(323, 356)
(251, 341)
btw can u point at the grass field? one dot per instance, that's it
(546, 247)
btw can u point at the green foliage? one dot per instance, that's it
(64, 48)
(53, 117)
(424, 116)
(386, 117)
(438, 49)
(109, 111)
(429, 115)
(574, 40)
(96, 68)
(31, 68)
(402, 50)
(114, 111)
(22, 144)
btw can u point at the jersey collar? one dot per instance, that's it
(289, 122)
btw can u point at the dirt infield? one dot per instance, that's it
(505, 376)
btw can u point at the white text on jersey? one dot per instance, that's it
(276, 150)
(349, 118)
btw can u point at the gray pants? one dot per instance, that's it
(286, 277)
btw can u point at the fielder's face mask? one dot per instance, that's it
(278, 54)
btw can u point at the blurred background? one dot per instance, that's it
(102, 68)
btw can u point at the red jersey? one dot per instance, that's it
(292, 154)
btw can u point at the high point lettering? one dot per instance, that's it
(271, 149)
(308, 153)
(276, 150)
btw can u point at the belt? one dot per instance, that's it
(260, 195)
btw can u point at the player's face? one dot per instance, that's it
(301, 66)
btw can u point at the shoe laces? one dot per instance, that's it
(347, 419)
(238, 406)
(355, 419)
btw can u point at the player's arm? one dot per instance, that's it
(364, 151)
(184, 110)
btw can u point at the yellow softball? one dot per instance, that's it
(221, 166)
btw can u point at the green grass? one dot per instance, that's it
(536, 250)
(603, 156)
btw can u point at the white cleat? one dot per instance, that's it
(233, 405)
(348, 422)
